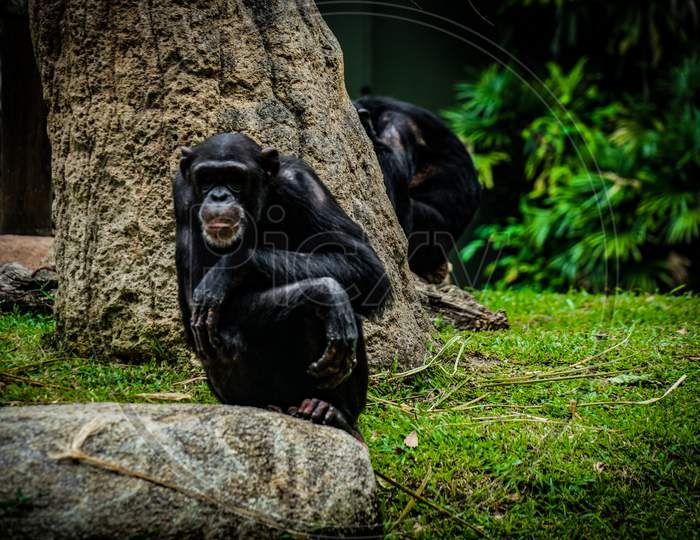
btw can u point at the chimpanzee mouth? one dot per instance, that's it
(222, 233)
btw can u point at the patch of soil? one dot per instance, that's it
(30, 251)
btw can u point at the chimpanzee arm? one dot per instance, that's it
(327, 244)
(358, 272)
(398, 168)
(353, 264)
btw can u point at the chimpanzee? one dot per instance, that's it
(274, 278)
(422, 160)
(395, 147)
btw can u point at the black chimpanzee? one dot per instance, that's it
(429, 177)
(273, 278)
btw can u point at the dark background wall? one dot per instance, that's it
(25, 178)
(402, 49)
(417, 52)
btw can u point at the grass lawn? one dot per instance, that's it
(537, 431)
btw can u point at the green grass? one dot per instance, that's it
(526, 460)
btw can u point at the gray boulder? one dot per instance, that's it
(207, 471)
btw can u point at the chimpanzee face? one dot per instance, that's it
(222, 191)
(229, 174)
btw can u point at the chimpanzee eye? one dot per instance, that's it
(235, 187)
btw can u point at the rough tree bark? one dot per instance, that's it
(127, 82)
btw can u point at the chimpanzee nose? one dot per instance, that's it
(219, 195)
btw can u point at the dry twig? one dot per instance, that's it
(401, 406)
(190, 381)
(411, 503)
(448, 394)
(431, 504)
(517, 381)
(644, 402)
(418, 369)
(11, 377)
(164, 396)
(609, 349)
(32, 366)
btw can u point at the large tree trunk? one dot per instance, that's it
(126, 84)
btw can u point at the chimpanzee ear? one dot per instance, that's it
(364, 115)
(366, 121)
(270, 160)
(186, 159)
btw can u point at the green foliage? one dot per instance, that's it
(613, 197)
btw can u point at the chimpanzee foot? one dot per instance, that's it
(438, 276)
(322, 412)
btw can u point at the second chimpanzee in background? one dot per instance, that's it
(429, 177)
(273, 278)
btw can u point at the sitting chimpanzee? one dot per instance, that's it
(429, 177)
(273, 279)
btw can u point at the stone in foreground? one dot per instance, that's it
(232, 472)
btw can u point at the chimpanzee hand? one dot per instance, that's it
(338, 360)
(206, 307)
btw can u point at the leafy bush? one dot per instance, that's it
(612, 197)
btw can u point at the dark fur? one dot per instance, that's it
(300, 278)
(433, 166)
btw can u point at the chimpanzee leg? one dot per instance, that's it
(429, 243)
(292, 344)
(322, 299)
(285, 344)
(341, 406)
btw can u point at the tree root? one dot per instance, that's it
(459, 308)
(27, 290)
